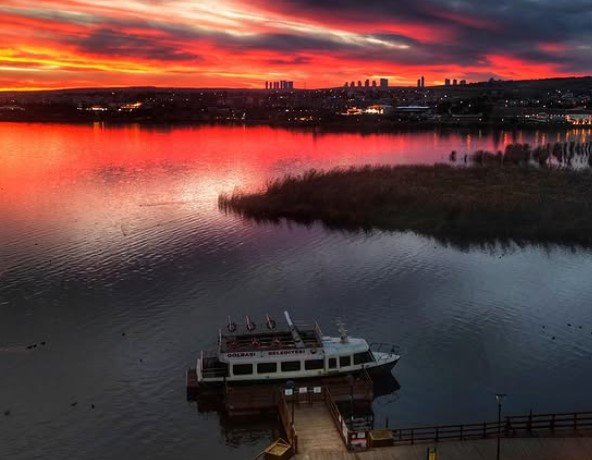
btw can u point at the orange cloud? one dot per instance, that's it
(232, 43)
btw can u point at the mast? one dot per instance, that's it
(295, 335)
(342, 331)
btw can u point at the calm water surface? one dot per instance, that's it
(113, 252)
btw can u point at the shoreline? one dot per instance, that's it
(363, 126)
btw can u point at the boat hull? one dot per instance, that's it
(384, 365)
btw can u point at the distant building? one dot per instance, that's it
(346, 85)
(463, 82)
(373, 83)
(282, 84)
(454, 82)
(422, 81)
(359, 83)
(419, 82)
(352, 84)
(447, 82)
(367, 83)
(384, 83)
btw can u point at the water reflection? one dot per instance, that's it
(113, 230)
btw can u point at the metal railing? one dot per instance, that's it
(338, 420)
(287, 422)
(515, 425)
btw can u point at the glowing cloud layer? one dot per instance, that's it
(239, 43)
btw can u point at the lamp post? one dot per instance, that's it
(499, 397)
(290, 386)
(350, 378)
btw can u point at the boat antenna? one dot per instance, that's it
(270, 322)
(342, 331)
(231, 326)
(250, 324)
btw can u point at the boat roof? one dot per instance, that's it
(334, 346)
(270, 339)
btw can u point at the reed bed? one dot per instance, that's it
(546, 155)
(521, 204)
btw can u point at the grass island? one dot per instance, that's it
(456, 204)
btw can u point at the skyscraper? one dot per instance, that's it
(383, 83)
(422, 81)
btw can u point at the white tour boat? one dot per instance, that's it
(290, 352)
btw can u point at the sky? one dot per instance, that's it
(48, 44)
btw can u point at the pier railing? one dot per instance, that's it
(510, 426)
(338, 420)
(287, 421)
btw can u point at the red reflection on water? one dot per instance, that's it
(47, 166)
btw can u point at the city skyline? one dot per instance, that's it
(49, 44)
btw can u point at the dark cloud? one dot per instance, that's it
(289, 61)
(110, 42)
(480, 28)
(465, 33)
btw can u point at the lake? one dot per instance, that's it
(116, 262)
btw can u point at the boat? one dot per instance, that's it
(293, 351)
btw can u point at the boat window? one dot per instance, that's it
(290, 366)
(361, 358)
(242, 369)
(314, 364)
(266, 368)
(344, 361)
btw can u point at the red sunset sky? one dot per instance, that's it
(317, 43)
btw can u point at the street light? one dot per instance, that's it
(499, 397)
(350, 378)
(290, 391)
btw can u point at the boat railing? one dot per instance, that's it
(214, 372)
(209, 354)
(211, 366)
(384, 347)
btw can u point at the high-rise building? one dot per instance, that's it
(454, 82)
(359, 83)
(384, 83)
(419, 82)
(422, 81)
(373, 83)
(463, 82)
(447, 82)
(346, 85)
(352, 84)
(367, 83)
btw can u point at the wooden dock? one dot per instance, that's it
(316, 430)
(314, 427)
